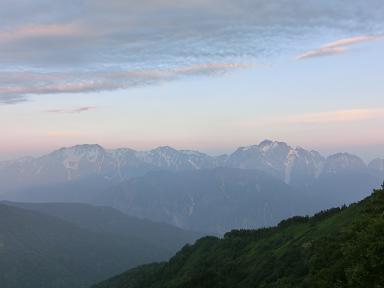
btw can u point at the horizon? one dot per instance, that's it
(212, 153)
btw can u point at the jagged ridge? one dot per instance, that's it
(292, 165)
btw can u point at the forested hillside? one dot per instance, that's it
(340, 247)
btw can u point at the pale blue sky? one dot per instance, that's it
(220, 92)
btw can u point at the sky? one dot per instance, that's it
(208, 75)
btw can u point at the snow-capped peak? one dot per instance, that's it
(273, 157)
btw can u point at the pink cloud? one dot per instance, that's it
(19, 85)
(63, 133)
(339, 116)
(48, 30)
(321, 118)
(353, 40)
(338, 46)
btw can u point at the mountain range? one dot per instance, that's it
(255, 186)
(289, 164)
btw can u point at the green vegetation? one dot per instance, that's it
(341, 247)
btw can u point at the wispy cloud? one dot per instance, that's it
(41, 31)
(338, 46)
(59, 133)
(17, 86)
(76, 110)
(210, 68)
(321, 118)
(339, 116)
(353, 40)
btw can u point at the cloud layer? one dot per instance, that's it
(76, 45)
(16, 86)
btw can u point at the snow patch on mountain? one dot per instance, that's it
(289, 163)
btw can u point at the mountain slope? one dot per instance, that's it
(377, 165)
(211, 200)
(144, 236)
(335, 248)
(39, 250)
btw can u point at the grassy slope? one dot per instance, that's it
(336, 248)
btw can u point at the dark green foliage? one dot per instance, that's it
(341, 247)
(365, 250)
(293, 220)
